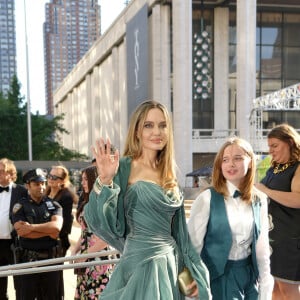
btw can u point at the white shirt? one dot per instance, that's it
(5, 224)
(241, 221)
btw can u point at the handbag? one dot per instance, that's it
(184, 280)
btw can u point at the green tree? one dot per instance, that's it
(45, 131)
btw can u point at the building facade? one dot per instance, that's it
(206, 60)
(70, 29)
(8, 65)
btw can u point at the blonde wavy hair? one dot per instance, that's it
(9, 167)
(165, 158)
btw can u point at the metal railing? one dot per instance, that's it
(55, 264)
(212, 133)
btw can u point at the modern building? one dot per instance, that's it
(208, 61)
(8, 65)
(70, 29)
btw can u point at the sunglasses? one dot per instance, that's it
(54, 177)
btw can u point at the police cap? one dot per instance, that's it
(37, 175)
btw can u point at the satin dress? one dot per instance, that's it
(153, 239)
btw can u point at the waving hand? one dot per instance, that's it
(107, 161)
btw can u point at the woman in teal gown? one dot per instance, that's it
(136, 206)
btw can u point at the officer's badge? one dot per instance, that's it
(50, 205)
(16, 208)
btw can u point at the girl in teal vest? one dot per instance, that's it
(229, 227)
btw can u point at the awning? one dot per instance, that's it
(204, 171)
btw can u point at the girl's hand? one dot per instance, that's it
(107, 162)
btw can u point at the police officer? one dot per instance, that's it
(38, 221)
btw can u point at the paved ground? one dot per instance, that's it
(69, 277)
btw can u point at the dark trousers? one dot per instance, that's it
(6, 258)
(238, 282)
(65, 246)
(40, 286)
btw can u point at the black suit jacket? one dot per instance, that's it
(18, 192)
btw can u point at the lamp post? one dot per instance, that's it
(28, 91)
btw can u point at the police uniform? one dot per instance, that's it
(39, 285)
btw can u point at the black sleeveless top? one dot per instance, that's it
(284, 221)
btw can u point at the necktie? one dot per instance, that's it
(236, 194)
(6, 188)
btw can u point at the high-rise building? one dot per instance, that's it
(8, 65)
(70, 29)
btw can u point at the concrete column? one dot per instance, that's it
(246, 64)
(115, 137)
(221, 54)
(182, 85)
(160, 54)
(94, 111)
(85, 137)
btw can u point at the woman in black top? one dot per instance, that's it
(59, 189)
(282, 185)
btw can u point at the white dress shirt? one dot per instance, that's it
(5, 224)
(241, 222)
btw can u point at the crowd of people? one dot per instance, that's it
(242, 240)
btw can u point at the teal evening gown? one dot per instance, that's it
(148, 226)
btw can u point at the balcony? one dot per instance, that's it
(210, 140)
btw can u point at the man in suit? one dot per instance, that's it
(10, 192)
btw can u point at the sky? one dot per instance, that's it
(35, 16)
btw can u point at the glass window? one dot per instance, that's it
(270, 62)
(279, 43)
(232, 60)
(271, 118)
(270, 36)
(268, 86)
(291, 34)
(270, 25)
(291, 57)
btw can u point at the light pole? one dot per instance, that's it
(28, 91)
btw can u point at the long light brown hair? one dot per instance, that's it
(218, 179)
(165, 158)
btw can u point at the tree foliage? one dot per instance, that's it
(45, 131)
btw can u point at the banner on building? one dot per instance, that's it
(137, 59)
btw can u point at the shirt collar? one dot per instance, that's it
(231, 188)
(9, 185)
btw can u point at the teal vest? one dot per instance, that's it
(218, 239)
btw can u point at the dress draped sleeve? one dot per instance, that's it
(105, 214)
(189, 256)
